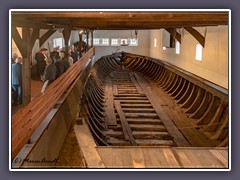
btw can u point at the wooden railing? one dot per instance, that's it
(27, 120)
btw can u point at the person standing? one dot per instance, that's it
(60, 67)
(54, 54)
(41, 58)
(17, 81)
(64, 60)
(14, 57)
(50, 72)
(74, 54)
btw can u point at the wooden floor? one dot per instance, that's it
(148, 157)
(159, 157)
(36, 87)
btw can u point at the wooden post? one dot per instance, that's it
(80, 45)
(26, 67)
(87, 41)
(66, 36)
(91, 38)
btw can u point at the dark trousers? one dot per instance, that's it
(17, 94)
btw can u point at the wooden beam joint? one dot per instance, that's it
(173, 35)
(44, 37)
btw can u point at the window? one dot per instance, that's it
(96, 41)
(177, 46)
(133, 42)
(58, 42)
(199, 52)
(105, 41)
(155, 42)
(115, 42)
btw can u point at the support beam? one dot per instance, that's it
(91, 38)
(66, 35)
(200, 38)
(80, 45)
(173, 32)
(26, 71)
(87, 41)
(34, 37)
(44, 37)
(18, 40)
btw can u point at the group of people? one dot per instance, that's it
(50, 68)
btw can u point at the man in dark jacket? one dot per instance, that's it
(74, 54)
(17, 81)
(41, 61)
(50, 71)
(60, 67)
(54, 54)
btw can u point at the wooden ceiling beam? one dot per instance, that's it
(18, 40)
(115, 20)
(200, 38)
(34, 37)
(44, 37)
(174, 34)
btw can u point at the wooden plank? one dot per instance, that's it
(138, 110)
(138, 159)
(199, 158)
(221, 155)
(106, 155)
(154, 98)
(110, 111)
(127, 158)
(88, 147)
(151, 157)
(172, 162)
(155, 158)
(156, 142)
(163, 157)
(132, 77)
(126, 129)
(117, 158)
(115, 90)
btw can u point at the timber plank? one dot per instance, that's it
(88, 147)
(221, 155)
(138, 159)
(106, 156)
(125, 127)
(110, 118)
(154, 99)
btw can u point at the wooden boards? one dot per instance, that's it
(160, 157)
(88, 147)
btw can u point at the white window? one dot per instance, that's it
(155, 42)
(58, 42)
(199, 52)
(177, 46)
(105, 41)
(133, 42)
(115, 42)
(96, 41)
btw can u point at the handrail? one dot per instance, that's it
(26, 121)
